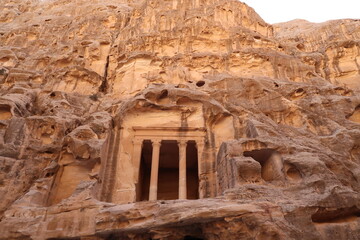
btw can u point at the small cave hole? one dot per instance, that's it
(293, 173)
(164, 94)
(299, 91)
(5, 112)
(257, 37)
(49, 174)
(53, 94)
(276, 85)
(200, 83)
(300, 46)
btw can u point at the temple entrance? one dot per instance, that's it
(167, 170)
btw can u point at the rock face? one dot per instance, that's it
(176, 119)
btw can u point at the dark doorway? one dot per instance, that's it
(168, 184)
(192, 179)
(142, 189)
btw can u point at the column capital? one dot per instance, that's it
(156, 142)
(182, 142)
(200, 143)
(137, 141)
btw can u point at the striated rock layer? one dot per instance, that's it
(270, 115)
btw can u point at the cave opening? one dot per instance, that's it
(269, 166)
(260, 155)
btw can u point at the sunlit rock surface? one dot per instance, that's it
(270, 115)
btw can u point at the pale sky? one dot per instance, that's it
(274, 11)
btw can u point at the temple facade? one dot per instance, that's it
(165, 150)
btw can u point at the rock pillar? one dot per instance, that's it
(154, 169)
(137, 148)
(201, 168)
(182, 169)
(138, 143)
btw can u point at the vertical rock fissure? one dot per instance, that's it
(104, 85)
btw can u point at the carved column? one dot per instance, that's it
(201, 171)
(182, 169)
(136, 157)
(154, 169)
(138, 143)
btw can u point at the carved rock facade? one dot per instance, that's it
(174, 120)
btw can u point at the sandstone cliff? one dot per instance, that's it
(272, 113)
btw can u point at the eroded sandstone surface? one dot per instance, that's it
(255, 127)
